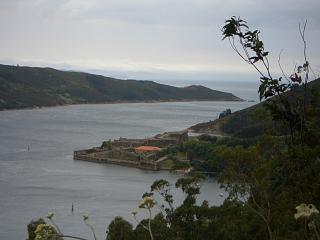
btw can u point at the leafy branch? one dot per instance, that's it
(249, 46)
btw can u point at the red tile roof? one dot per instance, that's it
(147, 149)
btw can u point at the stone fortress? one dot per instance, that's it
(141, 153)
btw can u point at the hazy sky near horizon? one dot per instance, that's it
(152, 39)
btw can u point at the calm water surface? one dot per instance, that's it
(45, 178)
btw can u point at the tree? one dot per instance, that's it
(225, 113)
(120, 229)
(246, 178)
(285, 175)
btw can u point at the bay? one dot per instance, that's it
(38, 173)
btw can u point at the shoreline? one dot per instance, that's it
(119, 102)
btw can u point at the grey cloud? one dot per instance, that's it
(148, 35)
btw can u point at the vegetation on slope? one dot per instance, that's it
(253, 121)
(22, 87)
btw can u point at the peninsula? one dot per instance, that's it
(149, 153)
(27, 87)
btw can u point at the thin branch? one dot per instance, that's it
(314, 74)
(294, 67)
(302, 34)
(264, 219)
(233, 46)
(248, 57)
(306, 65)
(266, 65)
(56, 226)
(317, 233)
(149, 224)
(144, 226)
(255, 202)
(92, 230)
(67, 236)
(280, 66)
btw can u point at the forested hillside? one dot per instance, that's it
(252, 121)
(22, 87)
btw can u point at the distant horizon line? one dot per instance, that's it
(152, 76)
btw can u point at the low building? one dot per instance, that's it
(144, 149)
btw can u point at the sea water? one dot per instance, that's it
(38, 173)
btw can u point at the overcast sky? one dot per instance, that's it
(152, 39)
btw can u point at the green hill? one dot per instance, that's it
(249, 122)
(22, 87)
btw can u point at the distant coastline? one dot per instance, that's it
(117, 102)
(33, 87)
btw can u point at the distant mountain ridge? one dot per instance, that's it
(22, 87)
